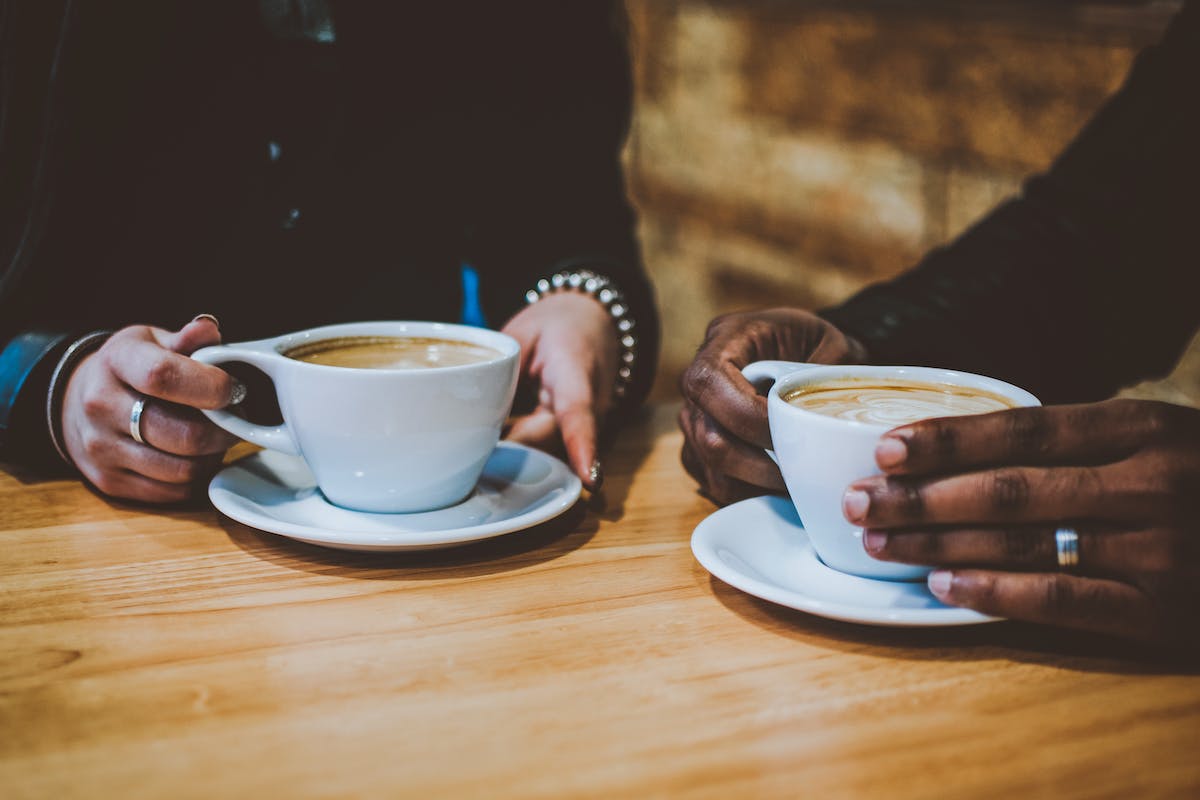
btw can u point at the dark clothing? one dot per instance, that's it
(161, 160)
(1088, 281)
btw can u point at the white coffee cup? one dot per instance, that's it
(820, 455)
(382, 440)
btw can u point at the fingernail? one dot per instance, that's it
(855, 504)
(238, 393)
(939, 583)
(874, 541)
(215, 321)
(890, 452)
(596, 475)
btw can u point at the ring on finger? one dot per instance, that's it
(1066, 545)
(135, 419)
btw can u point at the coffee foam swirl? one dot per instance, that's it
(392, 352)
(895, 404)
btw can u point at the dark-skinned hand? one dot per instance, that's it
(724, 419)
(980, 498)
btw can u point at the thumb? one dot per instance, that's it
(203, 331)
(537, 428)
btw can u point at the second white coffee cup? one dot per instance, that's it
(820, 455)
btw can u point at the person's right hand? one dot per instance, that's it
(724, 420)
(183, 449)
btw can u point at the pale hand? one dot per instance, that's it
(182, 448)
(569, 352)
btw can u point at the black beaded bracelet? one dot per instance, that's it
(607, 294)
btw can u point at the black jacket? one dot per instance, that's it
(1091, 279)
(160, 160)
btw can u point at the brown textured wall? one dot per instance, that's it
(786, 151)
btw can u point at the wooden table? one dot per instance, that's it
(146, 653)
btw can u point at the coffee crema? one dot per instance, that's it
(897, 402)
(392, 352)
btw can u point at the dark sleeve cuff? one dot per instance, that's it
(1079, 286)
(26, 364)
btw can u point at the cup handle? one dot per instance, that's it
(761, 372)
(272, 437)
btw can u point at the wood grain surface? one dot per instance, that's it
(151, 653)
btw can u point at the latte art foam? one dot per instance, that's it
(897, 403)
(392, 352)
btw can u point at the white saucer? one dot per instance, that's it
(274, 492)
(758, 546)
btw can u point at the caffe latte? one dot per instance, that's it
(392, 352)
(893, 403)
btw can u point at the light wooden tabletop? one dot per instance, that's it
(178, 654)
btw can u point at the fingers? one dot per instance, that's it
(567, 413)
(203, 331)
(1075, 434)
(726, 471)
(569, 350)
(714, 382)
(721, 489)
(726, 456)
(980, 498)
(168, 427)
(149, 368)
(570, 396)
(578, 425)
(536, 429)
(1051, 598)
(182, 431)
(131, 486)
(1015, 547)
(159, 373)
(1010, 494)
(118, 466)
(181, 450)
(104, 450)
(1122, 553)
(140, 459)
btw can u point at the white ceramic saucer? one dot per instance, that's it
(274, 492)
(758, 546)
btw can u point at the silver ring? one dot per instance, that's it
(135, 420)
(1066, 542)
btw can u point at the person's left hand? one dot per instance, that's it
(569, 350)
(980, 499)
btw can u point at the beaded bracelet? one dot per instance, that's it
(606, 293)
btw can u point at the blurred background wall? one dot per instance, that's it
(790, 151)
